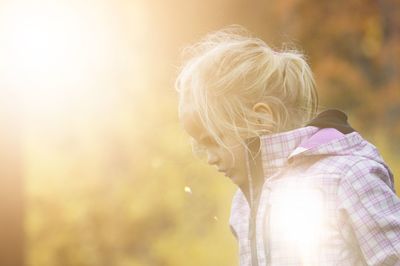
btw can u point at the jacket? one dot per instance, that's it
(327, 198)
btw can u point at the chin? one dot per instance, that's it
(236, 180)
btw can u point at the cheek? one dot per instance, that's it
(240, 159)
(227, 159)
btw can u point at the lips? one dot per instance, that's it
(225, 171)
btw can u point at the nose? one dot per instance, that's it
(212, 158)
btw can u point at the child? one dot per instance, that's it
(311, 191)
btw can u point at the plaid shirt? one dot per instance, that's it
(353, 204)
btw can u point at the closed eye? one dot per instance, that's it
(207, 141)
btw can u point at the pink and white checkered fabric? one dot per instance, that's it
(358, 212)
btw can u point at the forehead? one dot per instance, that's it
(192, 124)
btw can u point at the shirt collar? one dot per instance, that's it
(276, 148)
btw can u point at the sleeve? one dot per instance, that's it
(373, 212)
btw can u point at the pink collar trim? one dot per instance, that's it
(322, 136)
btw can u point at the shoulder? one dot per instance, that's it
(357, 169)
(366, 170)
(367, 182)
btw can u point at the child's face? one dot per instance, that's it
(218, 156)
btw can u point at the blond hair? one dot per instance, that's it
(229, 71)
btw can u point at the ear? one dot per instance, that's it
(265, 110)
(262, 108)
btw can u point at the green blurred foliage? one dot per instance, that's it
(109, 188)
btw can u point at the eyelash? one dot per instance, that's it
(208, 141)
(200, 148)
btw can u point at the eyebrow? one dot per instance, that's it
(207, 139)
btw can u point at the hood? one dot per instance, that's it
(335, 137)
(329, 134)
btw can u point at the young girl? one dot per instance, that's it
(311, 190)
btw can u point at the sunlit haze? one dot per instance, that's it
(53, 52)
(90, 135)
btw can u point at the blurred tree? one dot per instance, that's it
(353, 46)
(12, 207)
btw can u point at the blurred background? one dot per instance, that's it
(96, 169)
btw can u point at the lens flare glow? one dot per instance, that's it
(297, 220)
